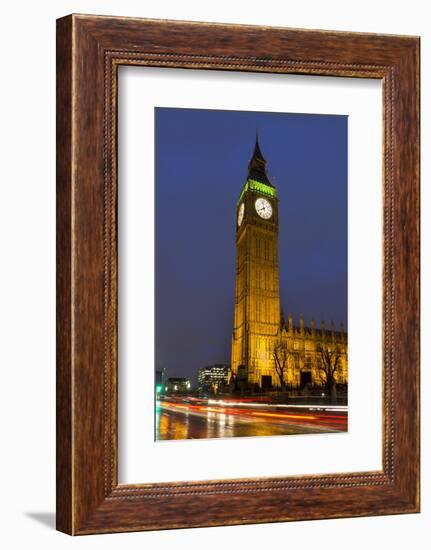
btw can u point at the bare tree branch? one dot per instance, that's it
(280, 354)
(328, 367)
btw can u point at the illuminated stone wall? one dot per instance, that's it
(258, 327)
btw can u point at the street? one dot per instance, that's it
(191, 418)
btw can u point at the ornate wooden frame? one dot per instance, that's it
(89, 51)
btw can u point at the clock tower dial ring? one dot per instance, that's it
(263, 208)
(241, 213)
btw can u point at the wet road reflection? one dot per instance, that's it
(203, 419)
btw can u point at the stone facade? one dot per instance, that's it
(259, 327)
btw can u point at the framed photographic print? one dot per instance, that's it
(237, 274)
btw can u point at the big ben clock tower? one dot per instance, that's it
(257, 294)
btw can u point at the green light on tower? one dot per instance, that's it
(258, 186)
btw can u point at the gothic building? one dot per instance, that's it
(267, 351)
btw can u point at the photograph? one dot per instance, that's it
(251, 278)
(211, 288)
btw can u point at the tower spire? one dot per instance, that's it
(257, 164)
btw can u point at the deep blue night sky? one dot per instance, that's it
(201, 166)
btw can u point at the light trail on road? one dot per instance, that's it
(194, 418)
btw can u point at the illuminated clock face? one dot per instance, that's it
(240, 214)
(263, 208)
